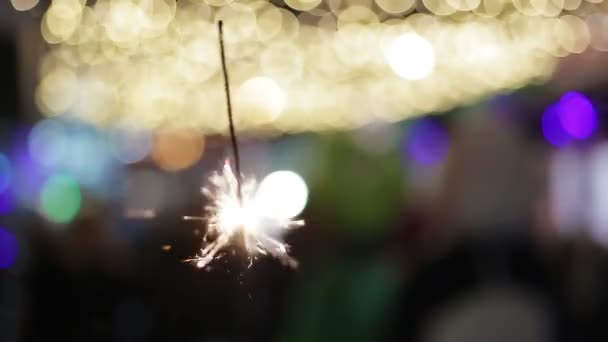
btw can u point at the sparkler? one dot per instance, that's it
(233, 217)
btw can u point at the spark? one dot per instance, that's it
(234, 220)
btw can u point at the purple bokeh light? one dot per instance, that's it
(571, 118)
(8, 248)
(7, 202)
(427, 142)
(577, 115)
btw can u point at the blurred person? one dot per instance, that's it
(490, 184)
(346, 279)
(484, 277)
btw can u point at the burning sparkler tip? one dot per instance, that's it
(233, 219)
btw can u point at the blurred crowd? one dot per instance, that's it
(484, 222)
(465, 246)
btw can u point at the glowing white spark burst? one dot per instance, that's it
(238, 221)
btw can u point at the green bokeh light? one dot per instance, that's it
(60, 198)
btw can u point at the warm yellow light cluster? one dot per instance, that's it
(337, 64)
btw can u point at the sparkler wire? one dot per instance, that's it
(233, 217)
(233, 141)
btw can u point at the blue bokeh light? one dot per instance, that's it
(29, 177)
(427, 142)
(73, 147)
(129, 145)
(6, 173)
(9, 247)
(90, 160)
(552, 128)
(48, 142)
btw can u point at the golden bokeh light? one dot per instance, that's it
(356, 15)
(571, 5)
(598, 27)
(573, 34)
(549, 8)
(395, 6)
(411, 57)
(303, 5)
(243, 21)
(57, 91)
(464, 5)
(490, 8)
(282, 61)
(270, 22)
(175, 150)
(261, 98)
(439, 7)
(313, 65)
(218, 3)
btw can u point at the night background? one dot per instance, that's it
(449, 159)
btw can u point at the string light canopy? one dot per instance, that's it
(299, 65)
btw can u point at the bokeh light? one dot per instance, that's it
(48, 142)
(89, 159)
(411, 57)
(9, 248)
(129, 145)
(552, 128)
(60, 198)
(572, 117)
(282, 194)
(29, 177)
(598, 177)
(427, 142)
(24, 5)
(6, 173)
(395, 6)
(57, 91)
(7, 202)
(80, 149)
(261, 98)
(176, 150)
(275, 57)
(577, 115)
(598, 27)
(303, 5)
